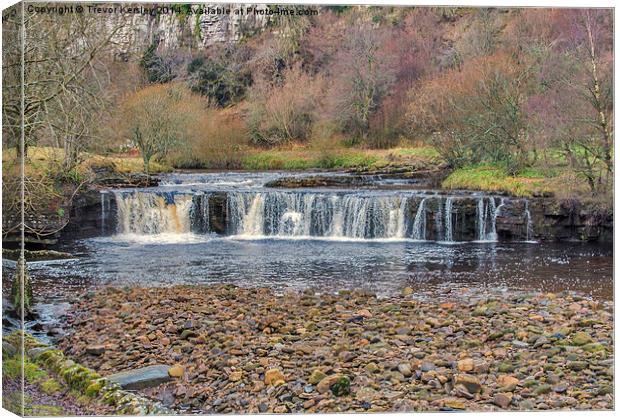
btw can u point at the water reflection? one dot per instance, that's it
(381, 267)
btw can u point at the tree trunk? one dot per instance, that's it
(145, 160)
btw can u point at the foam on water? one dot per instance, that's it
(155, 239)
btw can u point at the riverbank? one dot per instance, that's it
(43, 393)
(251, 350)
(71, 205)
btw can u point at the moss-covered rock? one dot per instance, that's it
(85, 383)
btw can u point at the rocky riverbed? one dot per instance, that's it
(250, 350)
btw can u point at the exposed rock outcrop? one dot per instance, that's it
(200, 26)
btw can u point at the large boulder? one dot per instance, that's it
(142, 378)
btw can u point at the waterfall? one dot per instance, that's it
(104, 196)
(439, 231)
(448, 220)
(529, 229)
(302, 214)
(152, 213)
(200, 216)
(502, 202)
(487, 216)
(287, 214)
(419, 223)
(480, 210)
(253, 223)
(401, 225)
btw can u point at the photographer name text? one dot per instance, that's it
(170, 9)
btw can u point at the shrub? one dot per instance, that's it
(217, 139)
(217, 81)
(283, 114)
(156, 119)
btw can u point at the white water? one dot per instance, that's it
(103, 211)
(152, 213)
(285, 214)
(448, 221)
(487, 212)
(419, 223)
(299, 214)
(529, 230)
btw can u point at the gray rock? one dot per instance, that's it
(95, 350)
(520, 344)
(561, 388)
(188, 333)
(427, 366)
(8, 349)
(405, 369)
(142, 378)
(34, 353)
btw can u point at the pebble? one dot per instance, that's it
(176, 371)
(273, 376)
(251, 350)
(405, 369)
(502, 400)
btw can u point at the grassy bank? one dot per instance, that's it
(47, 161)
(559, 181)
(342, 158)
(494, 179)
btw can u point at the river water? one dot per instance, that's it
(381, 238)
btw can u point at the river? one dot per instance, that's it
(203, 228)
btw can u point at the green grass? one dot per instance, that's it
(13, 403)
(12, 369)
(425, 152)
(302, 158)
(50, 386)
(32, 373)
(47, 161)
(493, 179)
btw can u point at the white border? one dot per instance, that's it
(467, 3)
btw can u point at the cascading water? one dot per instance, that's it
(104, 203)
(529, 230)
(439, 230)
(199, 213)
(487, 216)
(340, 214)
(419, 223)
(287, 214)
(481, 211)
(152, 213)
(448, 221)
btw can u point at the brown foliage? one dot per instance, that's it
(281, 114)
(217, 139)
(157, 118)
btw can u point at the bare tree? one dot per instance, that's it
(160, 115)
(362, 77)
(62, 64)
(61, 60)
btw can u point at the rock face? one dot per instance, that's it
(202, 26)
(87, 216)
(142, 378)
(94, 214)
(556, 220)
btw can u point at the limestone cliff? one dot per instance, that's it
(178, 26)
